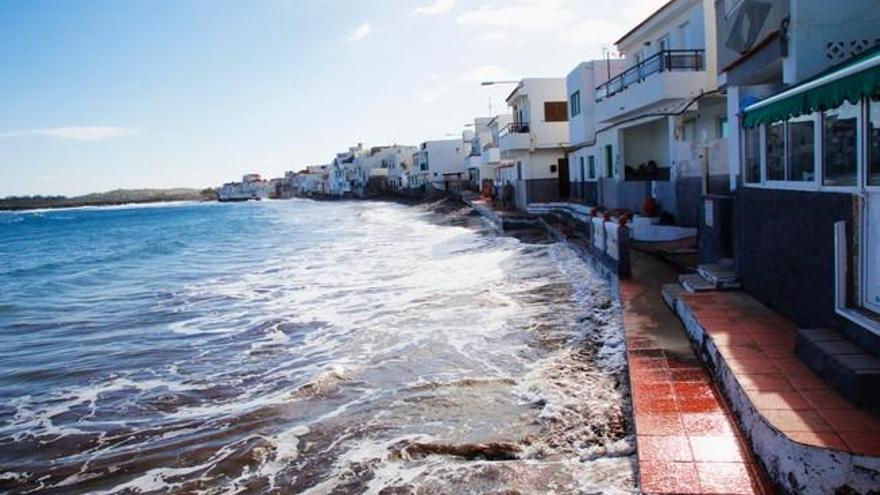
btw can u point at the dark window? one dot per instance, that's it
(752, 156)
(555, 111)
(518, 170)
(801, 149)
(575, 104)
(873, 139)
(552, 169)
(723, 128)
(776, 151)
(592, 171)
(840, 156)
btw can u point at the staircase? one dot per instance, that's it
(708, 277)
(845, 366)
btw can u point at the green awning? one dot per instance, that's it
(857, 78)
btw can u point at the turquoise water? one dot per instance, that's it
(301, 347)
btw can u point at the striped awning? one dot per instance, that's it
(856, 79)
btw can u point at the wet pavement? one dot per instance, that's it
(687, 440)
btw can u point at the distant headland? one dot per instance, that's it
(109, 198)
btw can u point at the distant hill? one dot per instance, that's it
(115, 197)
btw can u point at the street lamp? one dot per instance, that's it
(491, 83)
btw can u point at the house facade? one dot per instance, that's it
(662, 123)
(536, 139)
(584, 154)
(803, 91)
(438, 159)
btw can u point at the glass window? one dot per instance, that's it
(752, 156)
(723, 128)
(581, 163)
(840, 157)
(801, 146)
(575, 103)
(873, 139)
(776, 151)
(591, 160)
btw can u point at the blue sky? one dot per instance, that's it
(96, 95)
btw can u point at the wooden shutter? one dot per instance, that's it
(555, 111)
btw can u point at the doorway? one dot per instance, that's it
(564, 184)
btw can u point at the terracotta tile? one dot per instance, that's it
(825, 440)
(787, 421)
(715, 448)
(806, 380)
(642, 362)
(659, 424)
(737, 339)
(826, 399)
(663, 448)
(699, 405)
(850, 420)
(743, 352)
(862, 442)
(688, 390)
(649, 375)
(791, 366)
(640, 343)
(728, 478)
(792, 401)
(785, 350)
(661, 390)
(772, 382)
(706, 424)
(668, 477)
(646, 404)
(751, 365)
(680, 363)
(689, 375)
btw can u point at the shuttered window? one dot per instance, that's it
(555, 111)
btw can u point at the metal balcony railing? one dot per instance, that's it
(515, 128)
(665, 61)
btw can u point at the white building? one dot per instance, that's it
(252, 186)
(536, 139)
(663, 125)
(438, 161)
(585, 153)
(502, 170)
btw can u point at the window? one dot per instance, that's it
(518, 170)
(689, 130)
(873, 139)
(723, 128)
(840, 157)
(555, 111)
(775, 148)
(752, 155)
(801, 149)
(609, 161)
(591, 160)
(663, 43)
(552, 169)
(575, 104)
(582, 168)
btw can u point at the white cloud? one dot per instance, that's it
(496, 36)
(527, 16)
(360, 32)
(438, 7)
(74, 133)
(432, 94)
(485, 73)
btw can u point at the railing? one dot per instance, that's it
(665, 61)
(515, 128)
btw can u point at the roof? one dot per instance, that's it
(850, 81)
(647, 20)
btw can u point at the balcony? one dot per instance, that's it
(665, 76)
(491, 156)
(515, 136)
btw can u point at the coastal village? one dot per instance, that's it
(727, 164)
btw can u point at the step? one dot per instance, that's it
(721, 275)
(671, 293)
(842, 364)
(695, 283)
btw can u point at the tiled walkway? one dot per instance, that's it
(686, 440)
(758, 346)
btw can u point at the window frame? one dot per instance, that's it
(574, 104)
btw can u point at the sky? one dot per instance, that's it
(104, 94)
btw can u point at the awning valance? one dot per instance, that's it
(858, 78)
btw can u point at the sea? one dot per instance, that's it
(307, 347)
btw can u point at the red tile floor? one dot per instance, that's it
(686, 440)
(758, 346)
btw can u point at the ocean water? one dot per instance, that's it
(303, 347)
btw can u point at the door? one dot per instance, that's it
(564, 184)
(872, 251)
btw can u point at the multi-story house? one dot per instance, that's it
(439, 160)
(661, 123)
(584, 154)
(803, 84)
(536, 139)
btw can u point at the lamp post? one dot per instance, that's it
(492, 83)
